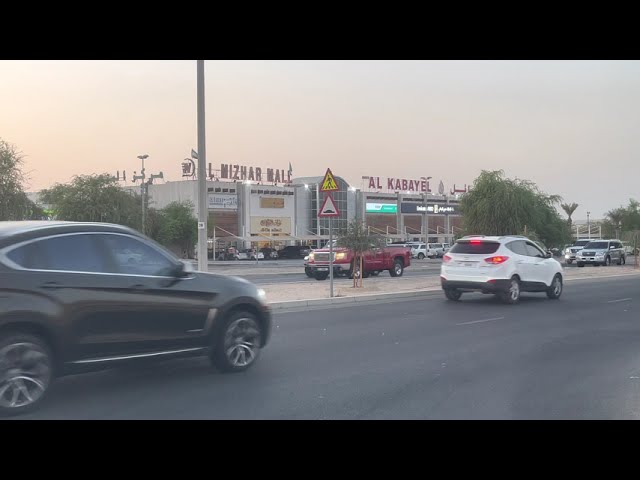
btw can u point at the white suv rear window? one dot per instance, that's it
(475, 248)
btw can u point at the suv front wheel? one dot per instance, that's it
(237, 346)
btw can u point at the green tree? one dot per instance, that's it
(501, 206)
(178, 227)
(569, 208)
(357, 239)
(94, 198)
(14, 203)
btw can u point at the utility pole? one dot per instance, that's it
(144, 188)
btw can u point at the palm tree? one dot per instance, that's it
(615, 216)
(569, 208)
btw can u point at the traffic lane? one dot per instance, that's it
(572, 358)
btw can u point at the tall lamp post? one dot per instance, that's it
(588, 225)
(142, 190)
(425, 217)
(203, 258)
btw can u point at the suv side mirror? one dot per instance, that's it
(183, 269)
(548, 254)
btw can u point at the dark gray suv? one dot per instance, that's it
(601, 252)
(81, 296)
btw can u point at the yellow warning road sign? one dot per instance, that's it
(329, 183)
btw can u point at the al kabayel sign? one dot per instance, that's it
(399, 184)
(271, 226)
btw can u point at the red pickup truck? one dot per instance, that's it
(391, 258)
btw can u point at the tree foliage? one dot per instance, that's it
(624, 221)
(94, 198)
(178, 227)
(14, 203)
(356, 238)
(501, 206)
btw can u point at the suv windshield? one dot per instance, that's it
(597, 245)
(580, 243)
(475, 248)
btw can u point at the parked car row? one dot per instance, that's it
(265, 253)
(596, 253)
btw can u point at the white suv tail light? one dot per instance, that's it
(496, 260)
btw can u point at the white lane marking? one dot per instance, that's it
(619, 300)
(481, 321)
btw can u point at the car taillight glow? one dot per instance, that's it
(475, 241)
(496, 260)
(446, 259)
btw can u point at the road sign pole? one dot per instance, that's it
(330, 259)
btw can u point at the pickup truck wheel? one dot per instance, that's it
(321, 275)
(308, 272)
(398, 269)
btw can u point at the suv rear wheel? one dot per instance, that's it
(453, 294)
(26, 372)
(512, 295)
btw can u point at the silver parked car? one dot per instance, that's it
(571, 251)
(602, 252)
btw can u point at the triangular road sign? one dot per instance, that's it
(329, 183)
(329, 208)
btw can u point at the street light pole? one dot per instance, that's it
(143, 192)
(203, 258)
(426, 213)
(588, 226)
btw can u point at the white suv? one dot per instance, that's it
(504, 266)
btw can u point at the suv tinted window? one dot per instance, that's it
(475, 248)
(519, 247)
(134, 257)
(69, 253)
(534, 251)
(581, 243)
(616, 244)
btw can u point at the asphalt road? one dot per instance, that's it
(576, 358)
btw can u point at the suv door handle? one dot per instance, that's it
(138, 286)
(51, 285)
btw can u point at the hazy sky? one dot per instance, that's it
(570, 126)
